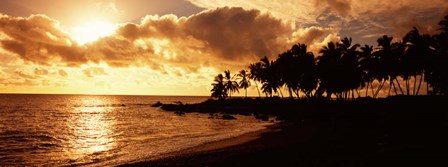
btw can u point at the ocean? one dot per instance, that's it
(97, 130)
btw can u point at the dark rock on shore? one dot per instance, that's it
(158, 104)
(228, 117)
(179, 113)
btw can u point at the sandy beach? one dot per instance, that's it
(364, 142)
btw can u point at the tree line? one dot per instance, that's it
(345, 70)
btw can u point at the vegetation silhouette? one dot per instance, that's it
(404, 129)
(342, 69)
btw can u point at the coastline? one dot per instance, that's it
(385, 132)
(185, 157)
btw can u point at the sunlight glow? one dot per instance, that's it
(92, 31)
(92, 127)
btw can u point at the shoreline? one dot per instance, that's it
(176, 158)
(400, 131)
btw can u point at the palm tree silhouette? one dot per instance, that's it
(306, 64)
(230, 85)
(343, 68)
(287, 68)
(219, 90)
(366, 62)
(444, 24)
(437, 75)
(417, 55)
(255, 74)
(386, 64)
(396, 66)
(269, 77)
(329, 66)
(244, 82)
(350, 67)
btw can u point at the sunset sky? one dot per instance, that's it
(176, 47)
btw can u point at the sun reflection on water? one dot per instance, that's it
(92, 128)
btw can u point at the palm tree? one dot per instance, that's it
(219, 90)
(419, 50)
(385, 62)
(269, 77)
(287, 69)
(244, 82)
(436, 75)
(396, 66)
(230, 84)
(352, 77)
(366, 61)
(328, 65)
(444, 24)
(305, 70)
(255, 74)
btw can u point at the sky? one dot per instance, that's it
(176, 47)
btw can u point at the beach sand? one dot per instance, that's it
(312, 145)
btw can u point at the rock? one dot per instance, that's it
(178, 103)
(228, 117)
(158, 104)
(263, 117)
(171, 107)
(179, 113)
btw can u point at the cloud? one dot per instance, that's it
(62, 73)
(233, 33)
(40, 71)
(341, 7)
(94, 71)
(359, 17)
(315, 37)
(25, 75)
(224, 37)
(40, 40)
(211, 38)
(216, 37)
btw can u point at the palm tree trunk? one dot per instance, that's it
(281, 93)
(427, 88)
(290, 93)
(407, 86)
(399, 86)
(256, 85)
(245, 89)
(390, 88)
(415, 84)
(419, 84)
(297, 93)
(379, 89)
(395, 88)
(367, 89)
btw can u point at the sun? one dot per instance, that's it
(92, 31)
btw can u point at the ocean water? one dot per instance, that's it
(91, 130)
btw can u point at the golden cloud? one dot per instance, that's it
(217, 37)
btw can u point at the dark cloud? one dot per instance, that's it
(341, 7)
(222, 34)
(39, 39)
(233, 33)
